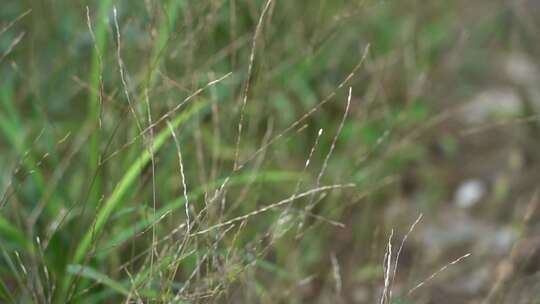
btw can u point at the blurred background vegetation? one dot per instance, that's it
(115, 115)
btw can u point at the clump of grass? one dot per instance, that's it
(209, 151)
(176, 251)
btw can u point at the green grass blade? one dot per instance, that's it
(90, 273)
(10, 233)
(116, 198)
(127, 180)
(165, 28)
(100, 35)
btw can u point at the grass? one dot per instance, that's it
(123, 186)
(95, 96)
(229, 151)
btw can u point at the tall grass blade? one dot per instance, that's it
(116, 198)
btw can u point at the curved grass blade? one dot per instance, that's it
(99, 36)
(116, 198)
(90, 273)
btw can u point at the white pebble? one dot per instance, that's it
(469, 193)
